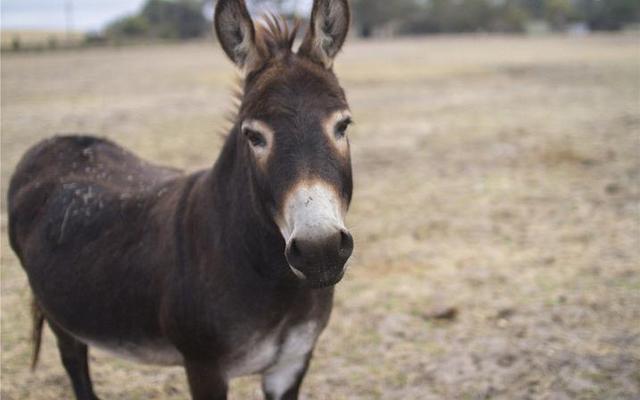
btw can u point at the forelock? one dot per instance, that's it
(275, 36)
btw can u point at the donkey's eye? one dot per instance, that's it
(255, 138)
(341, 128)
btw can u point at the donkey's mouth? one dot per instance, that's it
(326, 281)
(320, 277)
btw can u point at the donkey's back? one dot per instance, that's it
(71, 182)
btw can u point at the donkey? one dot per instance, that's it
(229, 271)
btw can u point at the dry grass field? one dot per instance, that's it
(497, 183)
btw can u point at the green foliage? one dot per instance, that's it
(440, 16)
(556, 12)
(131, 26)
(164, 19)
(535, 8)
(610, 14)
(372, 13)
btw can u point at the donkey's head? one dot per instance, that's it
(292, 126)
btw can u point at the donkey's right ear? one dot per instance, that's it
(330, 20)
(237, 34)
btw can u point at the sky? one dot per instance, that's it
(88, 15)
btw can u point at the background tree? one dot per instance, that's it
(556, 13)
(443, 16)
(369, 14)
(165, 19)
(609, 14)
(535, 8)
(184, 19)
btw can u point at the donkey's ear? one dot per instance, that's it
(236, 33)
(330, 20)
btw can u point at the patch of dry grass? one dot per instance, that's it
(496, 175)
(39, 38)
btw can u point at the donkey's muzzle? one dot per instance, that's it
(320, 261)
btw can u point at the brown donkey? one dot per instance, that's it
(228, 271)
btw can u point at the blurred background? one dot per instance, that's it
(37, 24)
(497, 170)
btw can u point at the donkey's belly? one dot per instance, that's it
(280, 349)
(156, 352)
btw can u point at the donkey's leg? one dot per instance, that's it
(206, 381)
(282, 381)
(74, 358)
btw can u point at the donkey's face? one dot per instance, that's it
(293, 124)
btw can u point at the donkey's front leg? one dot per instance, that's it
(206, 381)
(282, 381)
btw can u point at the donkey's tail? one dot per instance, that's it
(36, 333)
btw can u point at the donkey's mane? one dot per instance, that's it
(273, 34)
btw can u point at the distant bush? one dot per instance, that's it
(162, 19)
(95, 39)
(133, 26)
(15, 43)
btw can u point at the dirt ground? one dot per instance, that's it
(497, 185)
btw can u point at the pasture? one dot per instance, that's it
(496, 211)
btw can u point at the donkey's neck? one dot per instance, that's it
(228, 224)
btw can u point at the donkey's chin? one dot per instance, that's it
(320, 277)
(325, 281)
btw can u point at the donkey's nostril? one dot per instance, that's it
(293, 248)
(346, 244)
(294, 253)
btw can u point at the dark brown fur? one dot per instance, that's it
(122, 252)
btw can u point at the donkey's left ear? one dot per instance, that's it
(330, 20)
